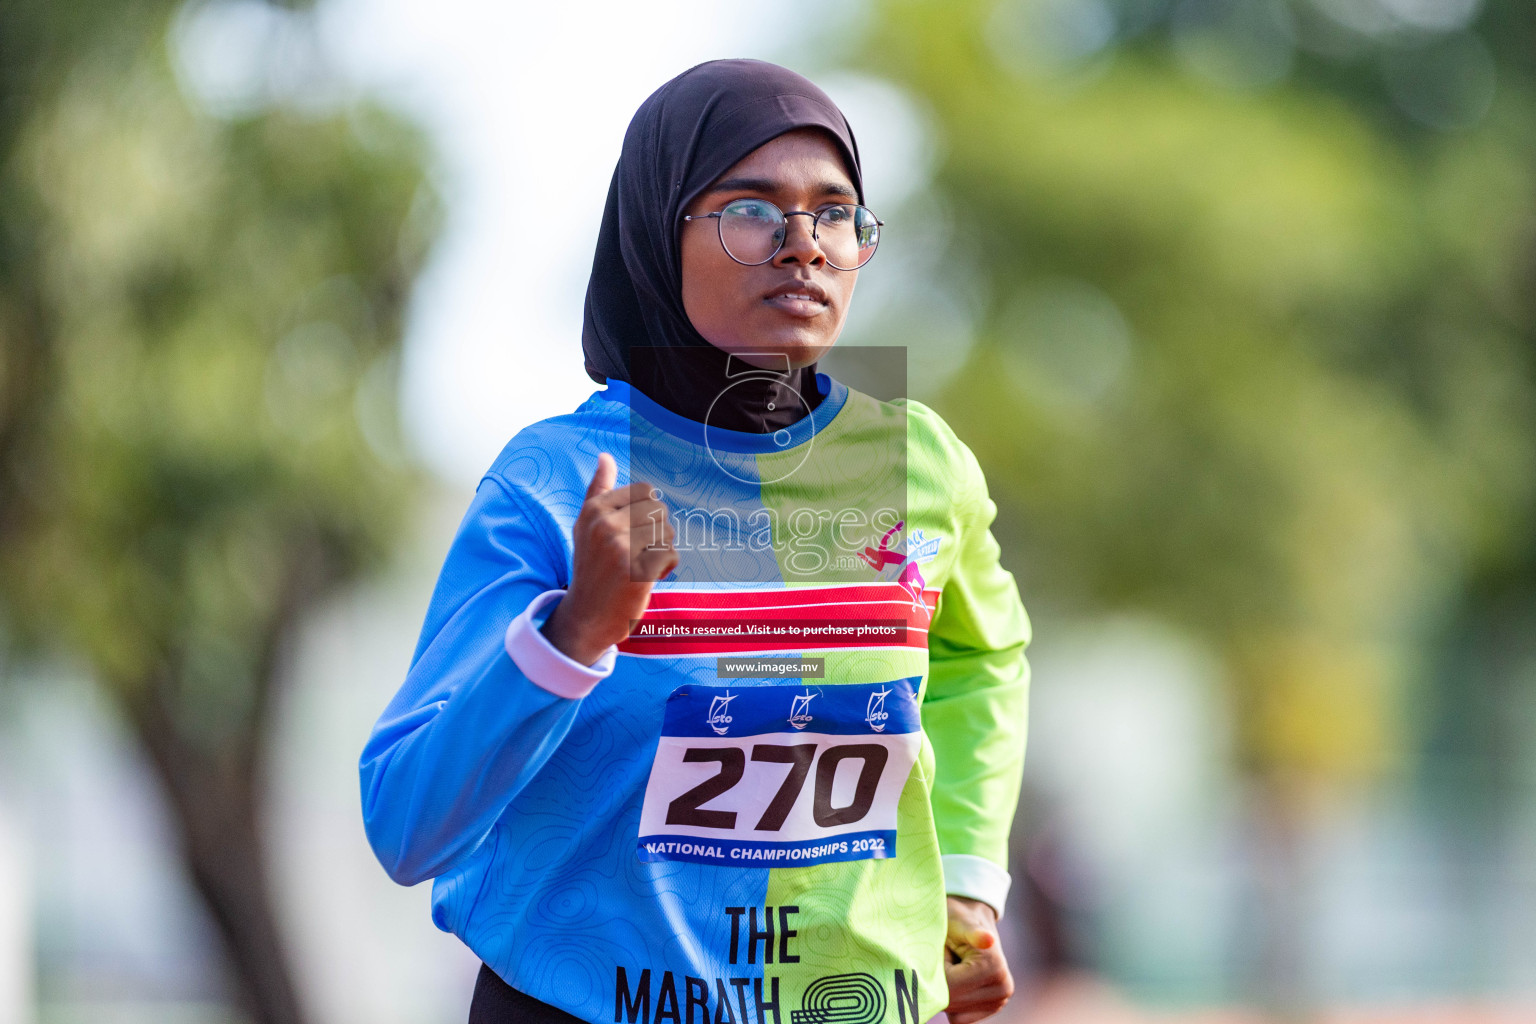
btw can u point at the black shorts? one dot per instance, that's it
(496, 1002)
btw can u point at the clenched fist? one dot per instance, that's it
(622, 544)
(979, 979)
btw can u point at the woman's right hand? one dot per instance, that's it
(622, 545)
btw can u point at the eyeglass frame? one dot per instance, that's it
(786, 214)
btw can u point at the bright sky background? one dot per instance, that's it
(527, 104)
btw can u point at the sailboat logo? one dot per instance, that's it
(800, 711)
(719, 718)
(876, 714)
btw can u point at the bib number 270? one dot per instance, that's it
(872, 758)
(765, 788)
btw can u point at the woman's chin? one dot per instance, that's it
(763, 350)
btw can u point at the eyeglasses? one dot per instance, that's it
(752, 231)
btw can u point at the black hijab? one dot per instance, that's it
(681, 140)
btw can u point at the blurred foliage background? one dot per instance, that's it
(1234, 299)
(1254, 354)
(200, 322)
(1252, 287)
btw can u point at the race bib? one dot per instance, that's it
(780, 776)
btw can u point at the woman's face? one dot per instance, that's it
(795, 303)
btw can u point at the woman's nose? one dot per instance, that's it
(800, 245)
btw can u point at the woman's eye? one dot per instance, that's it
(836, 215)
(754, 211)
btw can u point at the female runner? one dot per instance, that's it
(718, 711)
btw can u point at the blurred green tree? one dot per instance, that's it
(1251, 290)
(199, 326)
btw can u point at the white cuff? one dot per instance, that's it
(976, 878)
(546, 665)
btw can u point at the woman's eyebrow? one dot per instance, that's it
(835, 188)
(745, 185)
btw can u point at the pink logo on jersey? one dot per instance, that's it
(911, 578)
(880, 557)
(913, 581)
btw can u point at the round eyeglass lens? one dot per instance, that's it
(751, 230)
(848, 234)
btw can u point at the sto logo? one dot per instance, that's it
(719, 717)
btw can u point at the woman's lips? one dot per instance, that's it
(801, 304)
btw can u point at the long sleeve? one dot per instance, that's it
(976, 708)
(487, 698)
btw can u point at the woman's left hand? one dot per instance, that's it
(979, 983)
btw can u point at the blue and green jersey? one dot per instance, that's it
(750, 811)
